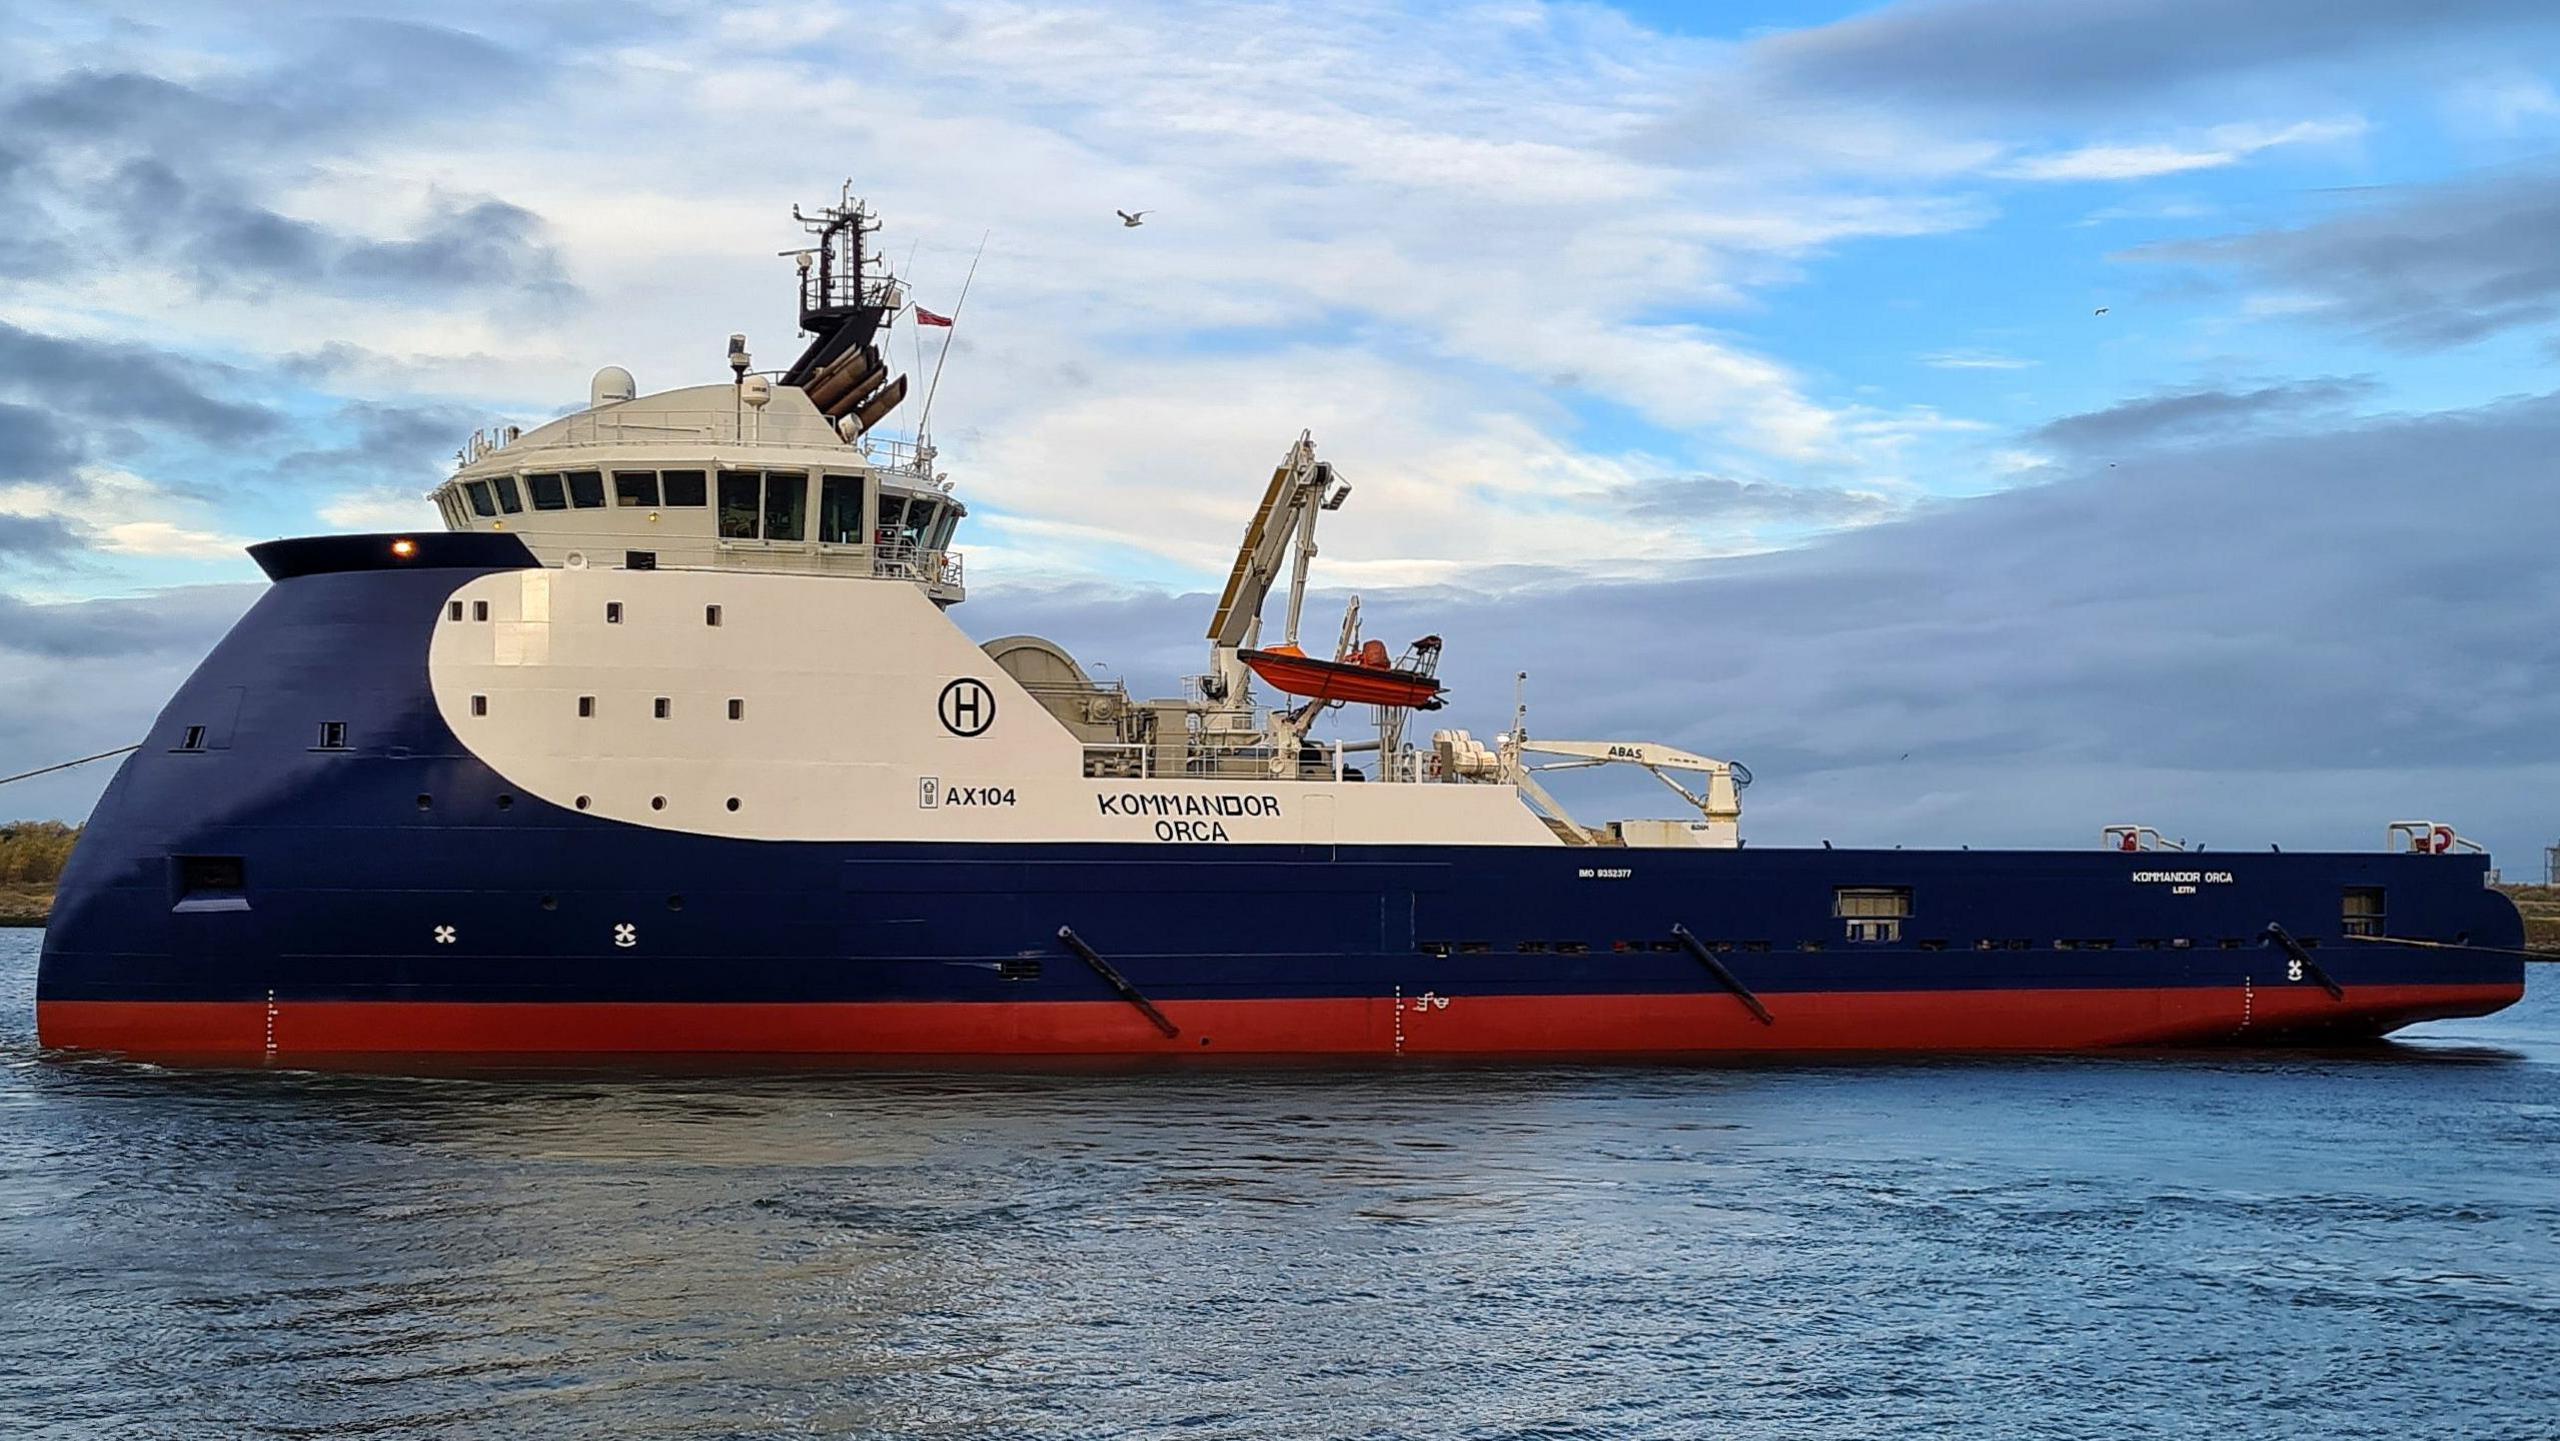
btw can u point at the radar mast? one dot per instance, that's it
(847, 299)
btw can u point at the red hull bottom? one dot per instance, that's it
(1704, 1022)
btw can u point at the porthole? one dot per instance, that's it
(613, 612)
(711, 615)
(582, 802)
(733, 803)
(479, 610)
(479, 705)
(453, 610)
(551, 903)
(426, 802)
(675, 903)
(657, 803)
(506, 802)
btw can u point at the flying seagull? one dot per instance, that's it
(1133, 219)
(2101, 310)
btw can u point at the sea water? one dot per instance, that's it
(2234, 1245)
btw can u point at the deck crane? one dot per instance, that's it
(1720, 809)
(1301, 490)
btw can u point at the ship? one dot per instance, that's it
(668, 742)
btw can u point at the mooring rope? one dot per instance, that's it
(2546, 957)
(66, 765)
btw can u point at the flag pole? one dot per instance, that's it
(957, 306)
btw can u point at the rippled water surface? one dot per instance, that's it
(2238, 1246)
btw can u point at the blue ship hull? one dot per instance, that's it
(399, 895)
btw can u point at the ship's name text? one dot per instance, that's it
(2182, 878)
(1188, 818)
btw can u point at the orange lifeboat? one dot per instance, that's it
(1367, 679)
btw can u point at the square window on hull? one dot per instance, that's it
(2361, 911)
(209, 883)
(635, 488)
(1872, 913)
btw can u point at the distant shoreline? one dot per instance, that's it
(25, 904)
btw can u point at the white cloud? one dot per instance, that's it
(123, 514)
(1973, 360)
(378, 510)
(162, 538)
(2221, 146)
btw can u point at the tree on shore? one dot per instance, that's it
(34, 852)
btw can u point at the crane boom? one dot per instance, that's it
(1720, 807)
(1301, 489)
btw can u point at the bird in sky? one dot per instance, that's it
(1132, 219)
(2101, 310)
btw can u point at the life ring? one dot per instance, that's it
(2441, 839)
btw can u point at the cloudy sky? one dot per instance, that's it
(1990, 420)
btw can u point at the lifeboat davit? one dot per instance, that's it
(1368, 679)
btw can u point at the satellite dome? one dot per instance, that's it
(612, 386)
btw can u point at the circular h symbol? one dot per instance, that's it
(967, 707)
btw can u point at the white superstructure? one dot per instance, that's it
(738, 629)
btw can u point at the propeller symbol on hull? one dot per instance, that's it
(444, 935)
(626, 935)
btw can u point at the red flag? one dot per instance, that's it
(927, 317)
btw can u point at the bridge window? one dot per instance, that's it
(2362, 912)
(741, 498)
(548, 492)
(586, 489)
(1872, 913)
(893, 509)
(682, 487)
(764, 505)
(635, 487)
(919, 521)
(482, 503)
(508, 500)
(840, 510)
(786, 505)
